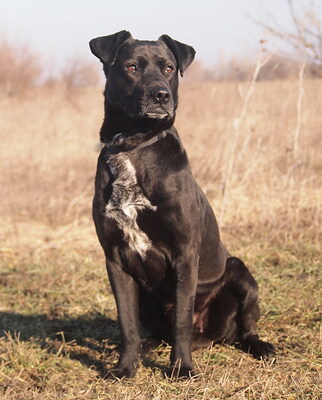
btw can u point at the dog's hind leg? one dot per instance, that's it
(222, 324)
(245, 289)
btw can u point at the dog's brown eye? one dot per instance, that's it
(169, 69)
(131, 68)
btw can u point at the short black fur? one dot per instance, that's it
(168, 269)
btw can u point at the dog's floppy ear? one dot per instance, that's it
(106, 47)
(183, 53)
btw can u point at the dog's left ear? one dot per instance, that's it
(183, 53)
(106, 47)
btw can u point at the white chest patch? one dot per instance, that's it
(125, 201)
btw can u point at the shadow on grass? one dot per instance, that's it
(93, 340)
(85, 338)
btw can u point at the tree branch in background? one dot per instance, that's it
(306, 36)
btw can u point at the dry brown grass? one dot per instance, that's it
(245, 162)
(260, 165)
(248, 167)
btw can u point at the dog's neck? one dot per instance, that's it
(123, 143)
(116, 122)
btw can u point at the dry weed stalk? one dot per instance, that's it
(262, 60)
(299, 109)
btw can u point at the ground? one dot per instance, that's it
(259, 164)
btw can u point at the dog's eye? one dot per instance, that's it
(131, 68)
(169, 69)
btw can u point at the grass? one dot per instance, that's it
(260, 166)
(61, 336)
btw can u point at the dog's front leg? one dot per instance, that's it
(125, 290)
(187, 276)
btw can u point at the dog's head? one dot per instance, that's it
(142, 76)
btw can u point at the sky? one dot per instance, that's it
(61, 29)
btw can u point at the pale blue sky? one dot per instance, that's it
(59, 29)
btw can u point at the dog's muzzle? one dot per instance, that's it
(159, 103)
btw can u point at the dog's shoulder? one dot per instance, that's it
(103, 174)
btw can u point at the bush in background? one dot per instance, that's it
(20, 68)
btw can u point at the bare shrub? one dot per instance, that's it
(279, 67)
(20, 68)
(240, 69)
(226, 69)
(236, 68)
(197, 72)
(79, 73)
(304, 39)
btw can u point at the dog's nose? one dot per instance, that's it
(160, 94)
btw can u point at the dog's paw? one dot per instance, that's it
(120, 373)
(176, 372)
(260, 350)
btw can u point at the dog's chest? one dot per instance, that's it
(125, 201)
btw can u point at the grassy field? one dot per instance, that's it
(255, 150)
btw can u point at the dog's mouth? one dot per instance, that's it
(152, 114)
(147, 109)
(150, 111)
(156, 114)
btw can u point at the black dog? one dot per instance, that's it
(168, 269)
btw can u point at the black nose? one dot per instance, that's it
(160, 94)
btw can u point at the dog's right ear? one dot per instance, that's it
(106, 47)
